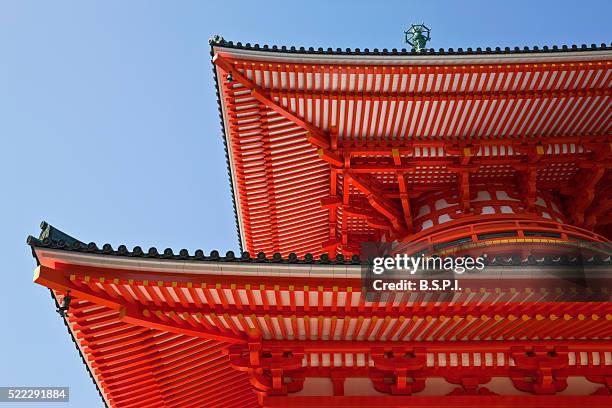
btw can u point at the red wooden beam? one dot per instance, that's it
(404, 195)
(316, 136)
(183, 279)
(409, 164)
(430, 95)
(463, 401)
(484, 346)
(142, 317)
(584, 193)
(433, 68)
(379, 203)
(590, 141)
(129, 313)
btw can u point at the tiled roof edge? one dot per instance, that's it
(221, 42)
(227, 157)
(55, 240)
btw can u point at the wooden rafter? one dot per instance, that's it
(404, 193)
(428, 96)
(378, 202)
(315, 135)
(56, 280)
(584, 193)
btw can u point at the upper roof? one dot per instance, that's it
(219, 41)
(282, 104)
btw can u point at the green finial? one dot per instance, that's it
(417, 36)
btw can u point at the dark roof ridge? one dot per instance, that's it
(218, 40)
(52, 238)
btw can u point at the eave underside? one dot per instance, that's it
(311, 137)
(155, 335)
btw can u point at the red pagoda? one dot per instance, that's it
(470, 150)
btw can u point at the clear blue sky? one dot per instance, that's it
(110, 130)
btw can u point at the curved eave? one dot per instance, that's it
(226, 146)
(54, 245)
(410, 57)
(190, 268)
(49, 252)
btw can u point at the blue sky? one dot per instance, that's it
(110, 130)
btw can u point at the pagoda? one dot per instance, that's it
(502, 152)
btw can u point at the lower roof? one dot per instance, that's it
(152, 335)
